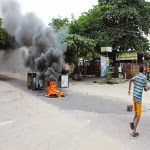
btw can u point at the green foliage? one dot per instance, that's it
(109, 75)
(0, 22)
(57, 23)
(108, 72)
(110, 81)
(79, 46)
(116, 23)
(5, 39)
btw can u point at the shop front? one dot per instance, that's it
(127, 63)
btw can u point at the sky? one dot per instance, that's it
(48, 9)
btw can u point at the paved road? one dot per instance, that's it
(95, 113)
(108, 116)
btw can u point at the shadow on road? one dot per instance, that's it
(74, 101)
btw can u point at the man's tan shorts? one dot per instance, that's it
(137, 108)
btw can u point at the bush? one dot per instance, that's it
(110, 81)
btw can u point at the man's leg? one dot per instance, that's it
(135, 115)
(136, 123)
(132, 123)
(138, 112)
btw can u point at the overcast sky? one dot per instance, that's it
(48, 9)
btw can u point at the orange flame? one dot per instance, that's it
(52, 89)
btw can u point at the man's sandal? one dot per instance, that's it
(135, 134)
(132, 125)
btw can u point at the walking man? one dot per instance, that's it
(140, 83)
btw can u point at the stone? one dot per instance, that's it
(129, 107)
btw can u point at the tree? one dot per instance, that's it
(0, 22)
(117, 23)
(6, 40)
(77, 47)
(57, 23)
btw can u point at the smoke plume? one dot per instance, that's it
(45, 52)
(11, 61)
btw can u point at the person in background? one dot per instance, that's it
(149, 73)
(140, 83)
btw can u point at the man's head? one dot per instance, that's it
(141, 69)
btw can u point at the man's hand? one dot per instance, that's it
(129, 92)
(147, 88)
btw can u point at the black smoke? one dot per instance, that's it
(45, 52)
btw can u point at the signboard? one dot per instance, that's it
(104, 65)
(126, 56)
(106, 49)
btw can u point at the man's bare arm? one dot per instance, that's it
(132, 80)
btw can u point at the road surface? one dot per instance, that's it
(90, 116)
